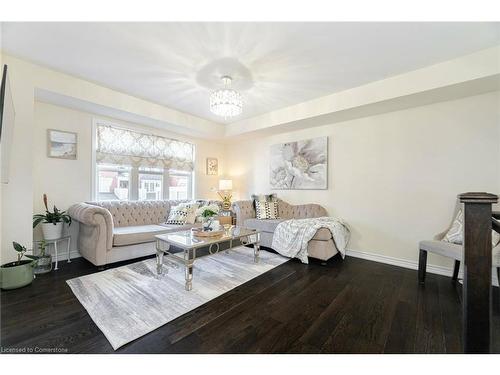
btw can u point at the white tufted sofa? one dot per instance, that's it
(321, 246)
(118, 230)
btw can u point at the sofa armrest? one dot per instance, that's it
(94, 216)
(244, 210)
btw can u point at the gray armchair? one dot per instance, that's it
(449, 250)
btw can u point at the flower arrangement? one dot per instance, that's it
(208, 213)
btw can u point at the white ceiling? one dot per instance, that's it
(273, 64)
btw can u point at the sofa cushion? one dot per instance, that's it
(322, 234)
(262, 225)
(136, 234)
(443, 248)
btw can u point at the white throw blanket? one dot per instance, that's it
(292, 236)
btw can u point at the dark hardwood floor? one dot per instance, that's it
(346, 306)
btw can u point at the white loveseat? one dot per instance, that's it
(113, 231)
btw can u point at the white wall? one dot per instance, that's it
(32, 173)
(17, 206)
(392, 177)
(69, 181)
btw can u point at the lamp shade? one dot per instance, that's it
(225, 184)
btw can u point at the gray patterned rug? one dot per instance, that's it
(130, 301)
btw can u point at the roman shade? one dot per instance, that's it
(127, 147)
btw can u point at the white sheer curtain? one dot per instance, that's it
(127, 147)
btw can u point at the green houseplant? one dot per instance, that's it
(52, 222)
(208, 213)
(20, 273)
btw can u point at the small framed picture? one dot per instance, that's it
(212, 166)
(61, 144)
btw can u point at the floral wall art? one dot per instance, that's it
(300, 165)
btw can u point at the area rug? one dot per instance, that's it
(131, 301)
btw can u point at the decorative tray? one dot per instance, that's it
(198, 232)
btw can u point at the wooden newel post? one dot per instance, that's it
(477, 271)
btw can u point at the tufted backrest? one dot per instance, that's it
(127, 213)
(300, 211)
(244, 210)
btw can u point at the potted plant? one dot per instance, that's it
(20, 273)
(44, 261)
(52, 222)
(208, 213)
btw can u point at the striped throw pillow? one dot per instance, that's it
(266, 210)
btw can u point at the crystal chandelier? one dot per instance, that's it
(226, 102)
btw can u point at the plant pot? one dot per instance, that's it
(52, 231)
(43, 264)
(13, 276)
(207, 223)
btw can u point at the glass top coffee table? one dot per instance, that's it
(188, 243)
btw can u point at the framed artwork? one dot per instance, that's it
(61, 144)
(300, 165)
(212, 166)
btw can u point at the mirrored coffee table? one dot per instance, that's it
(189, 244)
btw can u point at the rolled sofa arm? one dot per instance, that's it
(96, 231)
(244, 210)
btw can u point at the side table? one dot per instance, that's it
(54, 243)
(227, 217)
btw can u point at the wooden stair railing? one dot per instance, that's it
(477, 255)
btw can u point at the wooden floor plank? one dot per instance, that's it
(346, 306)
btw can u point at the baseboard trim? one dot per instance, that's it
(431, 268)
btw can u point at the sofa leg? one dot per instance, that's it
(455, 270)
(323, 263)
(101, 268)
(422, 266)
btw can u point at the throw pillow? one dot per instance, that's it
(495, 237)
(263, 198)
(456, 232)
(177, 216)
(191, 211)
(266, 210)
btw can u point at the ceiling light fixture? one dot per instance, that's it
(226, 102)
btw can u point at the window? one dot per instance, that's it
(179, 185)
(113, 182)
(120, 172)
(150, 184)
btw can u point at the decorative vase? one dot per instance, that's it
(43, 264)
(13, 275)
(52, 231)
(207, 223)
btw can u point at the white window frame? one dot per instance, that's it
(134, 171)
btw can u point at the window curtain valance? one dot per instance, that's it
(127, 147)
